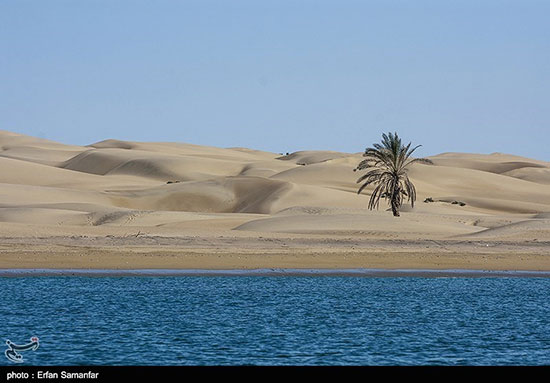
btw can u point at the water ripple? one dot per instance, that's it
(220, 320)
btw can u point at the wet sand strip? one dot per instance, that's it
(273, 272)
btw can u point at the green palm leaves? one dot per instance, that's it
(386, 165)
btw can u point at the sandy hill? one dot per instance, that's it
(172, 189)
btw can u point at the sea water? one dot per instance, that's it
(274, 320)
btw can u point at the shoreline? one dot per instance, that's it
(245, 259)
(372, 273)
(223, 253)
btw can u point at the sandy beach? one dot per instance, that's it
(276, 252)
(129, 205)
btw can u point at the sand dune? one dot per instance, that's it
(383, 226)
(531, 174)
(146, 164)
(176, 189)
(342, 176)
(523, 230)
(309, 157)
(33, 149)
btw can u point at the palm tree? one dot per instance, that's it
(387, 169)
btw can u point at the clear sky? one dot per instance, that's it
(280, 75)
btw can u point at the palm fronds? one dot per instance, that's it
(387, 165)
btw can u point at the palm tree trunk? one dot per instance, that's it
(395, 210)
(395, 205)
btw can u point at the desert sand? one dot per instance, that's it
(134, 205)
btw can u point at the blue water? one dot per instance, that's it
(278, 320)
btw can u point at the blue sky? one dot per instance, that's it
(468, 76)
